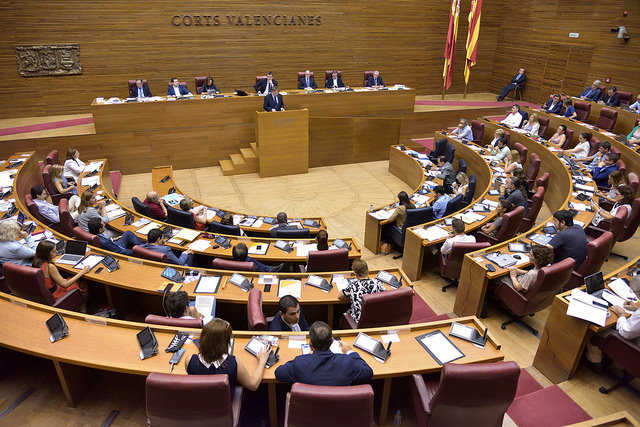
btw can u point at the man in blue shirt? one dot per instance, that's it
(156, 239)
(593, 92)
(47, 210)
(600, 173)
(440, 202)
(122, 245)
(463, 131)
(603, 148)
(323, 367)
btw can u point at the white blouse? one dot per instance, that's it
(73, 168)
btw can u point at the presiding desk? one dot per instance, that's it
(107, 344)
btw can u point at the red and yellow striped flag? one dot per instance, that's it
(450, 47)
(472, 37)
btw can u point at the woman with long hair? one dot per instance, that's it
(53, 280)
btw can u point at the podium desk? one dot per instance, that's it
(283, 142)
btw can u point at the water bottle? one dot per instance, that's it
(397, 419)
(371, 207)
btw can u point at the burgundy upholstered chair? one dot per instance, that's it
(132, 83)
(466, 395)
(200, 81)
(508, 229)
(597, 252)
(227, 264)
(172, 321)
(193, 400)
(329, 260)
(607, 119)
(534, 209)
(451, 265)
(622, 166)
(329, 73)
(301, 74)
(539, 296)
(615, 225)
(477, 127)
(626, 98)
(583, 109)
(28, 283)
(321, 406)
(140, 207)
(388, 308)
(80, 234)
(532, 170)
(51, 189)
(543, 181)
(367, 74)
(625, 353)
(523, 151)
(568, 140)
(507, 138)
(52, 158)
(544, 125)
(594, 144)
(67, 223)
(255, 315)
(632, 179)
(630, 226)
(140, 252)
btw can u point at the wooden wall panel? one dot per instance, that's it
(122, 39)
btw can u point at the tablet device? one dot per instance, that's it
(341, 244)
(283, 246)
(111, 263)
(310, 223)
(319, 282)
(147, 342)
(549, 229)
(372, 346)
(439, 347)
(468, 333)
(172, 274)
(58, 328)
(519, 247)
(389, 279)
(240, 281)
(223, 242)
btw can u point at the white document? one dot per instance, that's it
(173, 198)
(206, 305)
(441, 348)
(340, 281)
(111, 207)
(382, 215)
(623, 290)
(303, 250)
(207, 285)
(258, 223)
(335, 347)
(237, 219)
(290, 287)
(140, 222)
(210, 214)
(115, 213)
(90, 261)
(432, 233)
(583, 187)
(581, 306)
(259, 249)
(90, 180)
(92, 167)
(612, 298)
(579, 206)
(187, 234)
(492, 204)
(267, 279)
(297, 341)
(147, 228)
(200, 245)
(524, 259)
(390, 337)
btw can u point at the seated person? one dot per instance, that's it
(273, 101)
(634, 135)
(199, 213)
(514, 190)
(155, 242)
(214, 358)
(240, 253)
(140, 90)
(512, 162)
(497, 135)
(570, 241)
(157, 205)
(334, 81)
(625, 200)
(600, 173)
(322, 240)
(176, 89)
(522, 280)
(593, 92)
(603, 148)
(283, 224)
(463, 130)
(11, 250)
(611, 98)
(178, 307)
(616, 178)
(581, 150)
(445, 169)
(357, 288)
(553, 105)
(500, 151)
(307, 81)
(514, 118)
(400, 214)
(227, 219)
(265, 86)
(440, 201)
(533, 125)
(90, 208)
(636, 105)
(289, 317)
(493, 227)
(456, 236)
(48, 210)
(569, 109)
(323, 367)
(53, 280)
(122, 245)
(375, 80)
(560, 137)
(73, 166)
(461, 184)
(60, 182)
(209, 87)
(518, 79)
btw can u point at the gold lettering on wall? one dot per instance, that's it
(246, 20)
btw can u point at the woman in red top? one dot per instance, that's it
(57, 285)
(199, 213)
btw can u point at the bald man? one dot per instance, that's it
(375, 80)
(156, 205)
(307, 81)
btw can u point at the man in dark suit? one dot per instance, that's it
(121, 246)
(593, 92)
(289, 318)
(307, 81)
(553, 105)
(283, 224)
(334, 81)
(140, 90)
(323, 367)
(375, 80)
(273, 101)
(176, 89)
(266, 85)
(240, 253)
(611, 98)
(518, 79)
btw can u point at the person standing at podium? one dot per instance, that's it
(265, 86)
(307, 81)
(140, 90)
(273, 101)
(334, 81)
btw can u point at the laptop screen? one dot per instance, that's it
(75, 247)
(594, 282)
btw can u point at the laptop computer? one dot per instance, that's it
(595, 284)
(74, 251)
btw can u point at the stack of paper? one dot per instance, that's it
(490, 203)
(623, 290)
(586, 307)
(90, 181)
(302, 250)
(147, 228)
(206, 305)
(237, 218)
(92, 167)
(199, 245)
(187, 234)
(173, 198)
(211, 213)
(115, 213)
(290, 287)
(432, 233)
(258, 223)
(382, 215)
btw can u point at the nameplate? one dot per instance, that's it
(93, 321)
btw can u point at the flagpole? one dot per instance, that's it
(444, 82)
(465, 91)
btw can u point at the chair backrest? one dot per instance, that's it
(594, 144)
(471, 191)
(532, 169)
(255, 315)
(474, 394)
(80, 234)
(477, 127)
(534, 209)
(293, 234)
(258, 78)
(145, 253)
(418, 216)
(632, 223)
(624, 352)
(388, 308)
(321, 406)
(180, 218)
(52, 158)
(583, 109)
(438, 148)
(67, 223)
(544, 125)
(568, 140)
(140, 207)
(543, 181)
(329, 260)
(218, 228)
(27, 282)
(228, 264)
(622, 166)
(301, 74)
(597, 251)
(454, 204)
(607, 119)
(329, 73)
(603, 92)
(200, 81)
(510, 224)
(46, 179)
(549, 281)
(367, 74)
(507, 138)
(632, 179)
(523, 151)
(172, 321)
(449, 152)
(462, 165)
(618, 222)
(626, 98)
(174, 400)
(452, 266)
(132, 83)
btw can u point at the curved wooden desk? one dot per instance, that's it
(111, 345)
(624, 123)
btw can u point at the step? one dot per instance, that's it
(254, 147)
(238, 161)
(227, 167)
(249, 157)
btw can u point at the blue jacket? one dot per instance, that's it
(277, 324)
(591, 94)
(557, 109)
(325, 368)
(171, 257)
(110, 245)
(183, 90)
(519, 79)
(601, 174)
(374, 82)
(270, 103)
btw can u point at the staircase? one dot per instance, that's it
(244, 162)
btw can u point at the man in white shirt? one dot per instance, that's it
(176, 89)
(456, 236)
(334, 81)
(636, 105)
(514, 118)
(46, 209)
(581, 150)
(627, 327)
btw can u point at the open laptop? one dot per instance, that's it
(74, 251)
(595, 284)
